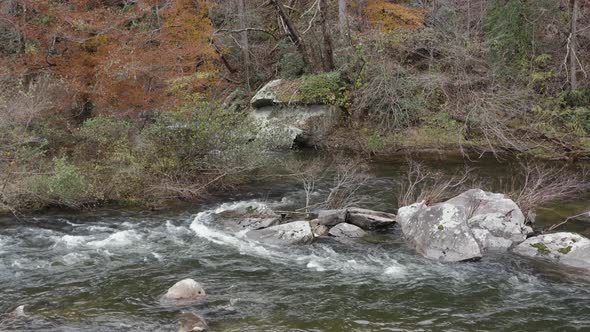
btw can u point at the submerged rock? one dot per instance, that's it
(190, 322)
(464, 227)
(184, 292)
(369, 219)
(347, 231)
(565, 248)
(290, 233)
(19, 312)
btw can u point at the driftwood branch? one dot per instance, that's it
(587, 213)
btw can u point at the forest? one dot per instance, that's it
(140, 102)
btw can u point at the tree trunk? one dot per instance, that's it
(328, 62)
(291, 30)
(572, 45)
(245, 44)
(343, 21)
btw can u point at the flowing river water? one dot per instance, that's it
(105, 270)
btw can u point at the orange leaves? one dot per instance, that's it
(390, 16)
(124, 56)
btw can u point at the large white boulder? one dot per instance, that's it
(439, 232)
(495, 219)
(465, 226)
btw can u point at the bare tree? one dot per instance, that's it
(291, 30)
(542, 184)
(572, 39)
(423, 184)
(328, 56)
(349, 179)
(343, 21)
(244, 40)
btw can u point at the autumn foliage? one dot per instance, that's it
(115, 55)
(390, 16)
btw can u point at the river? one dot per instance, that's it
(104, 270)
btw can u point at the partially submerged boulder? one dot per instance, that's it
(184, 292)
(191, 322)
(347, 231)
(246, 215)
(448, 231)
(19, 311)
(565, 248)
(369, 219)
(289, 233)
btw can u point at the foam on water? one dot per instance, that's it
(71, 241)
(118, 239)
(73, 258)
(320, 257)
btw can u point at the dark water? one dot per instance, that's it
(104, 271)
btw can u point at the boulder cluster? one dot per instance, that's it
(463, 228)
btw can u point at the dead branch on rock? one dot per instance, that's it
(553, 227)
(423, 184)
(542, 184)
(349, 179)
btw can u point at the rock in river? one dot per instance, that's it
(565, 248)
(332, 217)
(290, 233)
(369, 219)
(347, 231)
(464, 227)
(184, 292)
(190, 322)
(439, 232)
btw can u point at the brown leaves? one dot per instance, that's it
(120, 55)
(390, 16)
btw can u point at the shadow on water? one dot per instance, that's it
(104, 270)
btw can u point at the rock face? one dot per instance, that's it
(268, 94)
(464, 227)
(281, 111)
(190, 322)
(289, 233)
(347, 231)
(368, 219)
(565, 248)
(184, 292)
